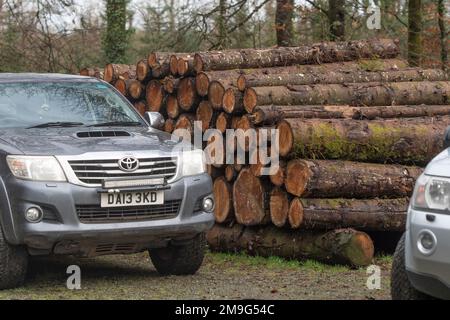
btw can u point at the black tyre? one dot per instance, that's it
(401, 288)
(13, 264)
(180, 259)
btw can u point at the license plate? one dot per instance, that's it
(129, 199)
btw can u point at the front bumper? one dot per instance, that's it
(429, 273)
(69, 235)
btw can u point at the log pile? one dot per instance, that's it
(356, 124)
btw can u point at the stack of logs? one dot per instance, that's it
(356, 124)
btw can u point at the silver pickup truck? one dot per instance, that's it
(82, 173)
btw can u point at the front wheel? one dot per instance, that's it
(13, 264)
(182, 259)
(401, 287)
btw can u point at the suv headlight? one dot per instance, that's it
(432, 193)
(193, 162)
(36, 168)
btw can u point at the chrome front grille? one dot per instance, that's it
(97, 214)
(95, 171)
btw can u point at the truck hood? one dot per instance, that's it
(67, 141)
(440, 165)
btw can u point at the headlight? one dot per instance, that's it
(432, 193)
(193, 162)
(36, 168)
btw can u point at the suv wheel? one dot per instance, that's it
(180, 259)
(401, 288)
(13, 264)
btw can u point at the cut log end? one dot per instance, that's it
(223, 195)
(248, 199)
(229, 102)
(202, 84)
(121, 86)
(295, 213)
(182, 66)
(279, 207)
(250, 100)
(135, 89)
(141, 107)
(198, 63)
(169, 125)
(297, 175)
(230, 173)
(108, 73)
(286, 138)
(278, 177)
(222, 122)
(172, 108)
(215, 94)
(359, 250)
(186, 93)
(142, 70)
(152, 59)
(173, 65)
(154, 95)
(204, 114)
(241, 83)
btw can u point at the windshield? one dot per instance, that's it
(24, 104)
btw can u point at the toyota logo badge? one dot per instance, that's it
(129, 164)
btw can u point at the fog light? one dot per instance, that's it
(208, 204)
(33, 214)
(426, 242)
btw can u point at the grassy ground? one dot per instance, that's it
(222, 276)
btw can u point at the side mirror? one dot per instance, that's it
(154, 119)
(447, 138)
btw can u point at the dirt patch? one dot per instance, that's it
(222, 276)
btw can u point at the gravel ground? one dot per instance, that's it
(222, 276)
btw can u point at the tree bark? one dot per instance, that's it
(223, 211)
(284, 56)
(357, 94)
(283, 22)
(414, 32)
(405, 140)
(342, 246)
(375, 65)
(336, 19)
(269, 115)
(367, 215)
(342, 77)
(443, 34)
(336, 179)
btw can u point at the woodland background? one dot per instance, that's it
(67, 35)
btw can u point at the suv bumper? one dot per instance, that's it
(67, 235)
(429, 274)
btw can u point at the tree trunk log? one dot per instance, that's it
(405, 140)
(171, 84)
(370, 215)
(136, 90)
(205, 113)
(113, 71)
(140, 106)
(346, 179)
(204, 79)
(169, 125)
(143, 71)
(279, 177)
(185, 65)
(358, 94)
(341, 77)
(376, 65)
(223, 210)
(232, 101)
(187, 94)
(155, 95)
(284, 56)
(269, 115)
(279, 206)
(250, 199)
(172, 107)
(342, 246)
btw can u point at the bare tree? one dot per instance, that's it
(283, 22)
(443, 34)
(336, 19)
(414, 32)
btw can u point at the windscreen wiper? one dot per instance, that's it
(117, 123)
(60, 124)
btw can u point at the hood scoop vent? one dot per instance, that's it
(102, 134)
